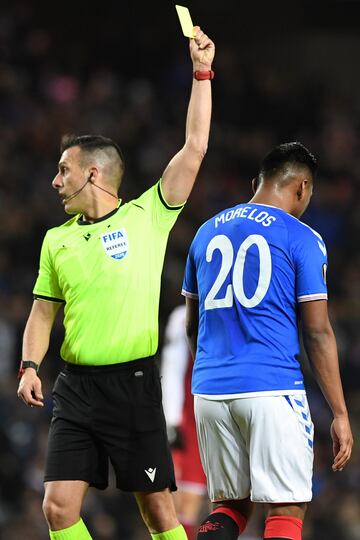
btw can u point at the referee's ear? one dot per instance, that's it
(92, 174)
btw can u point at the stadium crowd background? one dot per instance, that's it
(287, 71)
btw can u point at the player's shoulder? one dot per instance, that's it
(303, 231)
(212, 226)
(213, 222)
(305, 239)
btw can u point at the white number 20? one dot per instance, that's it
(223, 244)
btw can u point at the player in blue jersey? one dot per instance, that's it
(252, 272)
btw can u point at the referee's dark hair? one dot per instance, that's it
(292, 154)
(90, 144)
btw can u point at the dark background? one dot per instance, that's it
(284, 71)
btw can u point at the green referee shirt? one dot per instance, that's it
(108, 275)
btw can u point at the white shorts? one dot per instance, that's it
(260, 447)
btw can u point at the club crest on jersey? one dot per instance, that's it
(115, 243)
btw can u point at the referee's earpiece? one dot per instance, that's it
(90, 179)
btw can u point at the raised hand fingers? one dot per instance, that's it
(201, 39)
(202, 50)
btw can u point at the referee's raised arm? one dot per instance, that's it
(180, 174)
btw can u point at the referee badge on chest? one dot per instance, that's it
(115, 243)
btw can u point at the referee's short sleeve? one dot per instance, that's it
(47, 285)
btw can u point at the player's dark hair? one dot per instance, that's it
(292, 153)
(89, 143)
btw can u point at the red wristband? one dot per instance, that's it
(204, 75)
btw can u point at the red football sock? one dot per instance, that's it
(235, 515)
(191, 530)
(283, 527)
(224, 523)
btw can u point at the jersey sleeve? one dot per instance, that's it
(190, 287)
(163, 214)
(47, 285)
(310, 258)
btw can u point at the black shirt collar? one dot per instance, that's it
(82, 221)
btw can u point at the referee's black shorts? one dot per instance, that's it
(110, 412)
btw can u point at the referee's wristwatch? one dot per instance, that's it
(25, 364)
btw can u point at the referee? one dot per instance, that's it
(104, 266)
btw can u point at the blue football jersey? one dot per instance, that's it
(249, 266)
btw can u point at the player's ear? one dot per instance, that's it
(302, 189)
(254, 184)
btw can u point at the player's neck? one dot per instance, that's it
(272, 198)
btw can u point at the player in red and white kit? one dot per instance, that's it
(178, 403)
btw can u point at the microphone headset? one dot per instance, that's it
(76, 193)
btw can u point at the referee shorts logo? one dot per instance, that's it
(151, 473)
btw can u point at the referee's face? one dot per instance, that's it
(70, 181)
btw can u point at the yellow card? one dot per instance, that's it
(185, 21)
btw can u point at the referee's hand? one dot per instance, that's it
(202, 50)
(30, 389)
